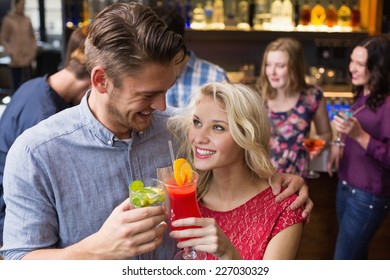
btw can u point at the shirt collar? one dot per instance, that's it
(99, 130)
(89, 120)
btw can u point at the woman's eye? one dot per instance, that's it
(218, 127)
(196, 122)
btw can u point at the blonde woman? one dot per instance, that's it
(292, 105)
(225, 133)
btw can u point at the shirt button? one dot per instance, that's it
(370, 206)
(344, 182)
(109, 142)
(353, 191)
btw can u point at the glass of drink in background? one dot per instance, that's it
(339, 137)
(312, 145)
(183, 204)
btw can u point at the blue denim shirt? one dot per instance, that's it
(34, 101)
(64, 177)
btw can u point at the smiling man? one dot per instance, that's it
(65, 177)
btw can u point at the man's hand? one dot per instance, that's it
(129, 232)
(292, 184)
(126, 233)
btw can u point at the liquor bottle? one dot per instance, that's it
(305, 13)
(198, 17)
(276, 13)
(318, 14)
(188, 13)
(86, 16)
(208, 12)
(231, 13)
(296, 13)
(355, 15)
(243, 15)
(344, 15)
(331, 15)
(259, 14)
(218, 15)
(251, 12)
(287, 14)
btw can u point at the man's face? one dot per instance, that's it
(129, 107)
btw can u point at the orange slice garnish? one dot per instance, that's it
(182, 171)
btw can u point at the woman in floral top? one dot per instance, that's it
(292, 105)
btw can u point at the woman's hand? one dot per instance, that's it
(208, 237)
(335, 154)
(351, 127)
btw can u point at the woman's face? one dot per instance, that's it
(212, 143)
(357, 66)
(276, 69)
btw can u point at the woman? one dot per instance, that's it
(292, 105)
(225, 131)
(363, 193)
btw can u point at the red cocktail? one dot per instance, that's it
(183, 204)
(182, 199)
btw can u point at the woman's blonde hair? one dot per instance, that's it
(248, 124)
(296, 66)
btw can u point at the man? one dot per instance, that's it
(192, 72)
(39, 98)
(18, 38)
(66, 180)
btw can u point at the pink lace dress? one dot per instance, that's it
(251, 226)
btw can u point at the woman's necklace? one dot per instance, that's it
(358, 110)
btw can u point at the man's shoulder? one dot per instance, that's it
(200, 62)
(33, 86)
(53, 127)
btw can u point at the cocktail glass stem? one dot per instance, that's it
(310, 173)
(189, 253)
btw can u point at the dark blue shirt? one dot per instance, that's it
(34, 101)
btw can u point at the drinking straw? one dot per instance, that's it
(171, 151)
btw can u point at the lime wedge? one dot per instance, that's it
(136, 185)
(147, 196)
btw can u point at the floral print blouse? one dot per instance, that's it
(289, 129)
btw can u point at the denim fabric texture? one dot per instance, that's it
(359, 215)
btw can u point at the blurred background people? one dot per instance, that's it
(41, 97)
(18, 39)
(363, 193)
(292, 105)
(193, 71)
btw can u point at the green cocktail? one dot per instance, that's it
(147, 192)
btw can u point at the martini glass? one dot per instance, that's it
(312, 146)
(183, 204)
(338, 141)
